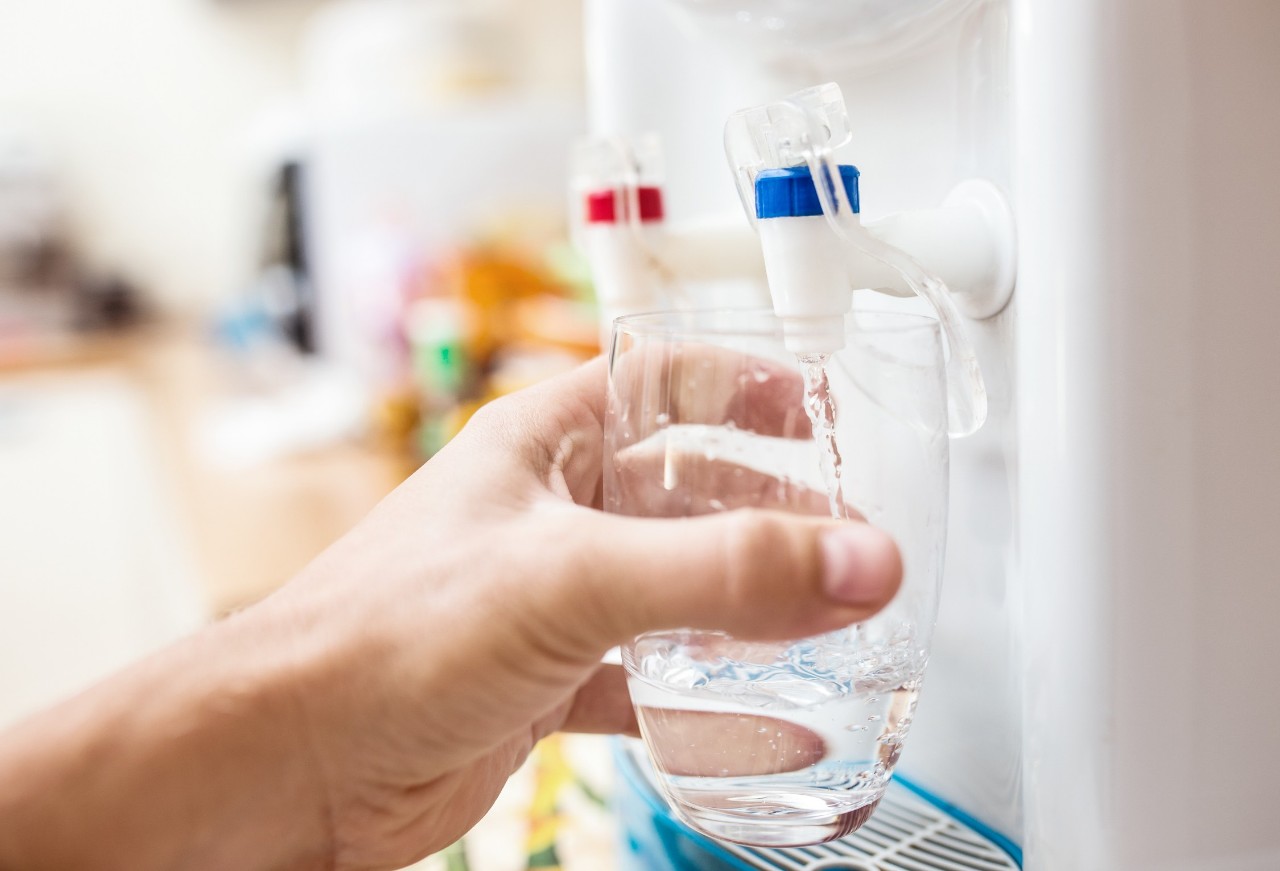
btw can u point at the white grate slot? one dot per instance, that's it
(905, 834)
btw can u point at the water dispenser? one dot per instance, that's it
(1094, 185)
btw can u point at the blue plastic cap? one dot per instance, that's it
(791, 193)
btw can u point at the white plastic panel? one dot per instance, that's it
(1147, 188)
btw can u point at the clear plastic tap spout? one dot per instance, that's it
(805, 129)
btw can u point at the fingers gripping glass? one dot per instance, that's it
(781, 743)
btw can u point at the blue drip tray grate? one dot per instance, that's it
(906, 833)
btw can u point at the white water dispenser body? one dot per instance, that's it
(1101, 690)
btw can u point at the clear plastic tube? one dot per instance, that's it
(806, 128)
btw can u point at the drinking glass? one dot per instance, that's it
(781, 743)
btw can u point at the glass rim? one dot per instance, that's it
(762, 322)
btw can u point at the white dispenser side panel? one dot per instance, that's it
(1147, 191)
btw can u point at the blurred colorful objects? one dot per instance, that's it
(479, 322)
(553, 815)
(552, 776)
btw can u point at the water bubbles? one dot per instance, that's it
(798, 675)
(821, 409)
(715, 505)
(662, 419)
(856, 727)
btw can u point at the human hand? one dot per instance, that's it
(475, 604)
(369, 712)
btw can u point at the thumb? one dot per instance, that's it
(755, 574)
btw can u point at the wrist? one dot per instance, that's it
(193, 758)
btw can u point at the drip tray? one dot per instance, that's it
(906, 833)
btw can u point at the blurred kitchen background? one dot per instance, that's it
(258, 260)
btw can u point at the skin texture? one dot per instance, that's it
(369, 712)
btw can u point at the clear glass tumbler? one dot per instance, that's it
(781, 743)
